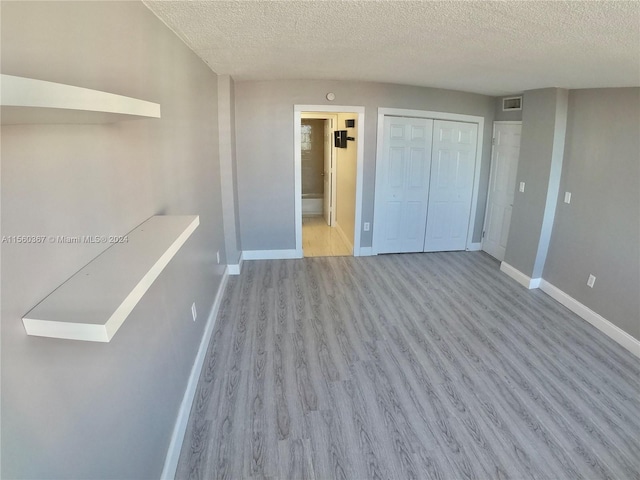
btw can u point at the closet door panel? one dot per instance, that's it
(451, 186)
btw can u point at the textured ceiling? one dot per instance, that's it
(493, 48)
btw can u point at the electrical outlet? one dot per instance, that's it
(591, 281)
(194, 314)
(567, 197)
(367, 226)
(218, 256)
(521, 186)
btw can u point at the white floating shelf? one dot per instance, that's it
(26, 100)
(94, 302)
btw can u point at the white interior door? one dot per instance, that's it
(451, 186)
(403, 185)
(502, 184)
(326, 172)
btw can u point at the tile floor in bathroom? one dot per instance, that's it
(321, 240)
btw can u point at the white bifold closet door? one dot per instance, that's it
(403, 187)
(424, 186)
(452, 165)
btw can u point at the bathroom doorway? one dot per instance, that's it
(327, 177)
(317, 157)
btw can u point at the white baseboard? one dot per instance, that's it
(605, 326)
(180, 428)
(365, 252)
(271, 254)
(474, 247)
(343, 235)
(595, 319)
(236, 268)
(519, 277)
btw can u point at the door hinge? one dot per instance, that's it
(483, 234)
(493, 141)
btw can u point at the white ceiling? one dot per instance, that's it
(493, 48)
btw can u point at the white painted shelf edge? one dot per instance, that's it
(29, 93)
(82, 294)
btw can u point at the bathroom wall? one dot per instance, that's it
(312, 146)
(346, 164)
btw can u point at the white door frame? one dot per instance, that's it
(402, 112)
(492, 170)
(297, 161)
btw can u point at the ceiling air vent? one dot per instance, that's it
(511, 103)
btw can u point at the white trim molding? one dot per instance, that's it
(366, 252)
(297, 160)
(403, 112)
(605, 326)
(271, 254)
(518, 276)
(180, 427)
(236, 268)
(474, 247)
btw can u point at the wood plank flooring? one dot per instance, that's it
(416, 366)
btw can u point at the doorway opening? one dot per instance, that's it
(322, 236)
(318, 154)
(328, 174)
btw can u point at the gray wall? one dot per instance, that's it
(555, 173)
(74, 409)
(264, 129)
(234, 161)
(539, 166)
(599, 231)
(228, 169)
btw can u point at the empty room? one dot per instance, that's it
(320, 240)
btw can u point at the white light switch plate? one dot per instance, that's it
(522, 186)
(567, 197)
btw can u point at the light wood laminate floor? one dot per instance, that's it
(321, 240)
(413, 366)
